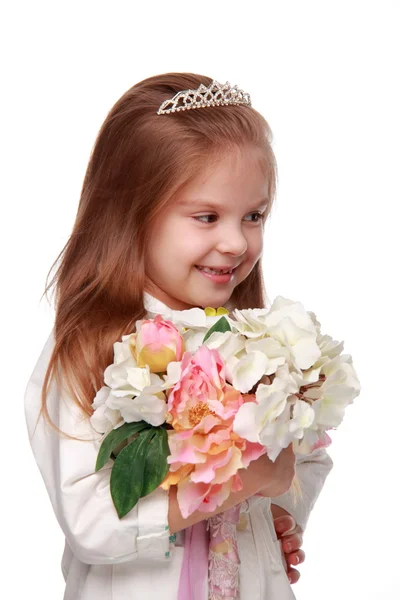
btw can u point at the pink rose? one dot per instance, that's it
(157, 343)
(202, 398)
(202, 407)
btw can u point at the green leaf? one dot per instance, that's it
(115, 437)
(221, 325)
(156, 466)
(126, 480)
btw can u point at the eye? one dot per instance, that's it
(206, 218)
(258, 218)
(254, 217)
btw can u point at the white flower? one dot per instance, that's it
(124, 379)
(292, 326)
(271, 347)
(281, 430)
(338, 390)
(276, 353)
(277, 417)
(247, 371)
(193, 339)
(247, 360)
(146, 407)
(104, 419)
(172, 377)
(253, 419)
(330, 408)
(116, 376)
(314, 319)
(329, 349)
(250, 322)
(193, 325)
(302, 418)
(141, 379)
(122, 350)
(276, 434)
(131, 393)
(227, 343)
(307, 443)
(342, 367)
(282, 308)
(137, 393)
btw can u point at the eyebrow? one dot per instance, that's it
(206, 203)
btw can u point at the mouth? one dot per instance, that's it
(215, 271)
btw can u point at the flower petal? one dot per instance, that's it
(149, 408)
(245, 422)
(248, 371)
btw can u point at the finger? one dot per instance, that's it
(294, 531)
(295, 558)
(291, 543)
(287, 536)
(293, 575)
(284, 524)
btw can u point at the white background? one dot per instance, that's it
(325, 75)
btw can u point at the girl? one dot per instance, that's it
(171, 216)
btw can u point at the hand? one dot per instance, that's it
(262, 476)
(291, 536)
(274, 478)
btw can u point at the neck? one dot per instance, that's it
(172, 303)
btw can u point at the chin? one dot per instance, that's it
(215, 301)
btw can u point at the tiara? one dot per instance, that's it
(215, 94)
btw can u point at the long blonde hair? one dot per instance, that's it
(138, 162)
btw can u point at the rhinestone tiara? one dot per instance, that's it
(216, 94)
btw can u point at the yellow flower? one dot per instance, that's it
(211, 312)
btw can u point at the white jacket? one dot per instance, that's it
(106, 558)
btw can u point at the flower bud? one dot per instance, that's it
(158, 343)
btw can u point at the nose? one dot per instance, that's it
(232, 241)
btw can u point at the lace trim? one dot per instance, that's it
(219, 526)
(224, 575)
(223, 556)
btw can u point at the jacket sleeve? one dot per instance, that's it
(311, 470)
(81, 497)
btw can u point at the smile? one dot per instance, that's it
(212, 271)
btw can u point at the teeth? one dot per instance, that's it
(215, 272)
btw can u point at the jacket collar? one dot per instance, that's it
(155, 306)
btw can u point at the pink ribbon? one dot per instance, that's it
(193, 578)
(213, 553)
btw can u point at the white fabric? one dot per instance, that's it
(106, 558)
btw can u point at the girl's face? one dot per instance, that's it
(208, 240)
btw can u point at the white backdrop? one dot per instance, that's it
(325, 75)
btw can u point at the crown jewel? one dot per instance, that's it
(216, 94)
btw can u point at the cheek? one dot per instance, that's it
(190, 244)
(255, 245)
(176, 243)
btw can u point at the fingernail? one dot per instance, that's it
(280, 526)
(288, 547)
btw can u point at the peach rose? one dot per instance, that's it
(206, 454)
(157, 343)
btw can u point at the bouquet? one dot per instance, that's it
(192, 400)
